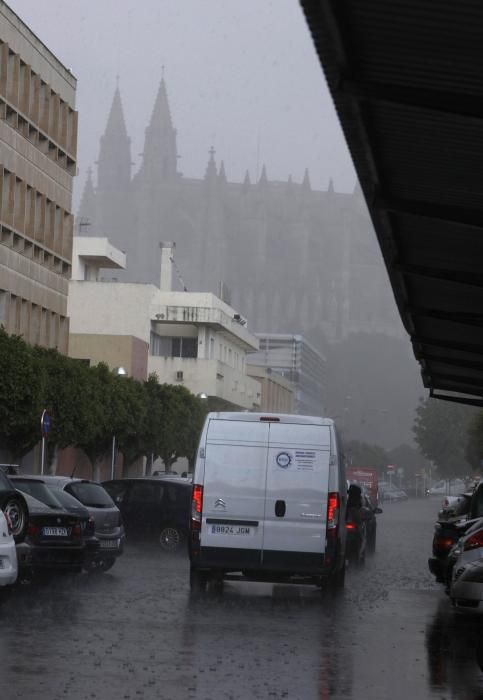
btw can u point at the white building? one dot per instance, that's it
(188, 338)
(292, 357)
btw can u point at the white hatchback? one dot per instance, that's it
(8, 554)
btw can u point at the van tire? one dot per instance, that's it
(336, 582)
(198, 580)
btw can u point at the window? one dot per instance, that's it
(146, 493)
(173, 347)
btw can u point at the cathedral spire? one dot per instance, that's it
(263, 177)
(160, 153)
(306, 180)
(222, 174)
(246, 182)
(114, 164)
(210, 172)
(87, 206)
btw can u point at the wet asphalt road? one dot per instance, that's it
(136, 633)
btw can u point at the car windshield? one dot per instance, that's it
(38, 490)
(91, 495)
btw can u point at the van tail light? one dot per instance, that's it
(333, 508)
(474, 541)
(196, 507)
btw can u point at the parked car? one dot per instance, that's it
(154, 508)
(389, 493)
(14, 506)
(8, 556)
(56, 498)
(466, 589)
(455, 506)
(447, 532)
(109, 528)
(447, 487)
(53, 541)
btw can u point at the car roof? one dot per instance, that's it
(179, 481)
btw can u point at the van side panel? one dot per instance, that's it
(234, 488)
(297, 489)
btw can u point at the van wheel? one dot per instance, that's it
(198, 580)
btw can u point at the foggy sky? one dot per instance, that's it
(241, 76)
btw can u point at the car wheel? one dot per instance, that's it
(99, 566)
(17, 511)
(170, 538)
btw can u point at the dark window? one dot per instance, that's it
(38, 490)
(146, 493)
(117, 490)
(91, 495)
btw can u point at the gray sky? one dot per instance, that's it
(237, 73)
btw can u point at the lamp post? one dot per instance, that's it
(118, 372)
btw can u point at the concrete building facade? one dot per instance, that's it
(192, 339)
(38, 145)
(295, 359)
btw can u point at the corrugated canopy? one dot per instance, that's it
(406, 77)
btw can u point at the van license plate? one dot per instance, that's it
(230, 530)
(54, 531)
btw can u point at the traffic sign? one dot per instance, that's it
(390, 468)
(45, 423)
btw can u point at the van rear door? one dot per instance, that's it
(234, 488)
(296, 495)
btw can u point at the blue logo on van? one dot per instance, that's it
(283, 459)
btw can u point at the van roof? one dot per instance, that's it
(278, 417)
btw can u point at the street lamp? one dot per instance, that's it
(118, 372)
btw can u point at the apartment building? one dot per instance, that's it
(38, 145)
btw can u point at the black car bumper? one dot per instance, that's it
(42, 557)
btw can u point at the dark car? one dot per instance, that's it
(53, 541)
(14, 505)
(109, 528)
(154, 508)
(361, 524)
(448, 530)
(36, 487)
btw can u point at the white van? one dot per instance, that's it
(268, 501)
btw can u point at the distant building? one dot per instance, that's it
(186, 338)
(278, 394)
(38, 144)
(295, 259)
(293, 358)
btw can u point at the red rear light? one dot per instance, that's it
(474, 541)
(333, 511)
(33, 530)
(196, 506)
(443, 544)
(351, 526)
(77, 530)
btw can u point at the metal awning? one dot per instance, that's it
(406, 77)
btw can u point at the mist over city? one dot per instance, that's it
(240, 330)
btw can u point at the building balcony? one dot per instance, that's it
(211, 377)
